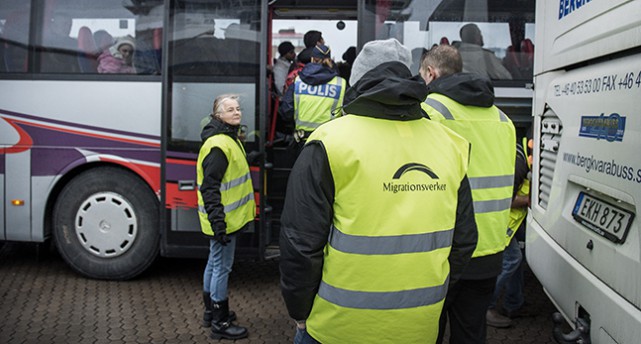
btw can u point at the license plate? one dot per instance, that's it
(603, 218)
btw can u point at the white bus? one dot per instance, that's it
(103, 164)
(583, 232)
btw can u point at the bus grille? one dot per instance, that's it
(551, 131)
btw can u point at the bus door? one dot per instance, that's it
(336, 20)
(214, 48)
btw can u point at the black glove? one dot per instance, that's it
(253, 157)
(221, 236)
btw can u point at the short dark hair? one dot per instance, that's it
(445, 58)
(311, 37)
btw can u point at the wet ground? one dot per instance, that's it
(43, 301)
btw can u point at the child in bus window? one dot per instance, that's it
(117, 59)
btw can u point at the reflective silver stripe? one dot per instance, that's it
(492, 205)
(239, 203)
(335, 105)
(307, 124)
(296, 99)
(235, 182)
(503, 116)
(438, 106)
(395, 244)
(382, 300)
(201, 209)
(491, 182)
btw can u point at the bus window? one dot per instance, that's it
(214, 50)
(14, 36)
(494, 37)
(87, 37)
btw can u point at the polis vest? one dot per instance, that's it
(385, 269)
(517, 215)
(491, 171)
(236, 190)
(316, 104)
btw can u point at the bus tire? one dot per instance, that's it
(106, 224)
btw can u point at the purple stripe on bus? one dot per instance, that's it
(51, 161)
(176, 172)
(80, 126)
(182, 155)
(48, 137)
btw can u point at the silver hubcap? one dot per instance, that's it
(106, 224)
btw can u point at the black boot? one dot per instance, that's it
(207, 317)
(221, 326)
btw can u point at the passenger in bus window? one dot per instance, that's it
(315, 97)
(464, 102)
(225, 207)
(117, 59)
(377, 204)
(476, 59)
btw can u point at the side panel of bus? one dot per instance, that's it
(583, 239)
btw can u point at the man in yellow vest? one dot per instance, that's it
(511, 277)
(464, 102)
(378, 215)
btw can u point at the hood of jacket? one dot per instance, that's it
(215, 127)
(316, 74)
(388, 91)
(465, 88)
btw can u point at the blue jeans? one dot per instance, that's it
(302, 337)
(221, 259)
(511, 278)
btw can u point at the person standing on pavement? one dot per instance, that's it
(511, 274)
(464, 102)
(378, 213)
(225, 207)
(315, 97)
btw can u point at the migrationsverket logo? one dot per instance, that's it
(395, 186)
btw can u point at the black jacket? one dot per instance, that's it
(214, 166)
(471, 90)
(389, 92)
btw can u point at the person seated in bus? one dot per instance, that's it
(314, 97)
(117, 59)
(60, 50)
(476, 59)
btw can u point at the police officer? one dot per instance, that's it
(378, 214)
(225, 206)
(464, 102)
(315, 97)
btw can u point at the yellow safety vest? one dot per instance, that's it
(316, 104)
(491, 171)
(236, 190)
(385, 268)
(517, 215)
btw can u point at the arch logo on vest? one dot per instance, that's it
(396, 185)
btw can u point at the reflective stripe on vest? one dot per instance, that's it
(236, 189)
(491, 171)
(386, 261)
(316, 104)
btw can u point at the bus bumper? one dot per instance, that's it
(577, 293)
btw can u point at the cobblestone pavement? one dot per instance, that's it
(44, 301)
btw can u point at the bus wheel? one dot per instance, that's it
(105, 224)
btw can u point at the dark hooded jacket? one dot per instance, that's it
(311, 74)
(214, 166)
(388, 92)
(471, 90)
